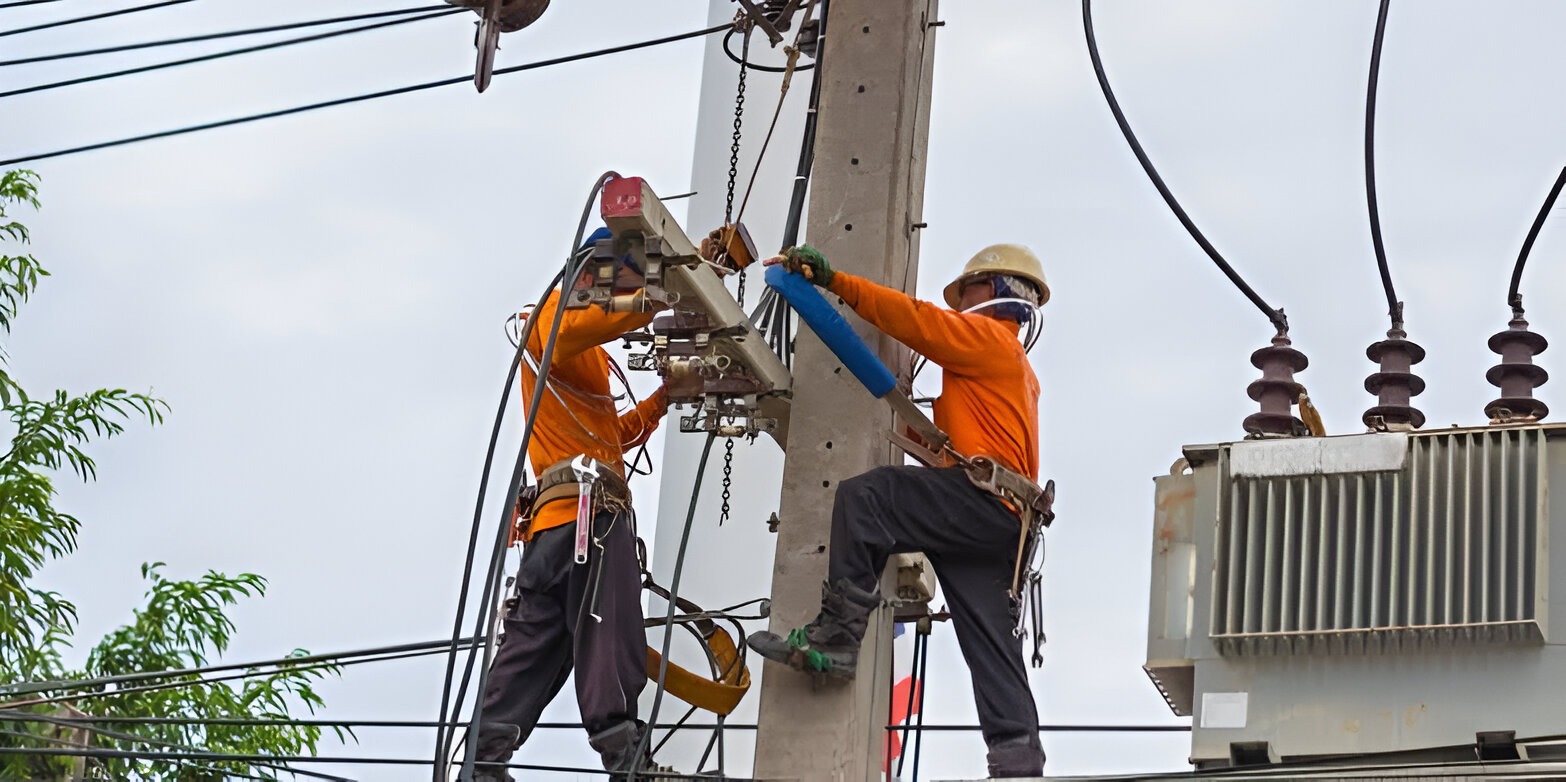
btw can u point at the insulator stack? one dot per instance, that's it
(1395, 385)
(1517, 376)
(1276, 390)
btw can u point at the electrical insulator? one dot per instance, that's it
(1276, 390)
(1395, 385)
(1517, 376)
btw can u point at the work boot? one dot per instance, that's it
(830, 643)
(496, 742)
(619, 746)
(514, 14)
(1019, 757)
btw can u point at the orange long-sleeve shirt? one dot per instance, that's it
(587, 422)
(989, 402)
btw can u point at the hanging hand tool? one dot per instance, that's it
(586, 469)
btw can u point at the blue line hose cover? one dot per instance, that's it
(833, 329)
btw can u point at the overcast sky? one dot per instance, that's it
(320, 298)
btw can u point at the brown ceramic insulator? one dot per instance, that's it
(1396, 384)
(1276, 390)
(1517, 376)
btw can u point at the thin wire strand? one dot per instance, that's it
(359, 98)
(92, 17)
(1394, 308)
(1513, 296)
(20, 3)
(48, 686)
(276, 28)
(1275, 315)
(226, 54)
(674, 596)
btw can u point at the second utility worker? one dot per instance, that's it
(989, 407)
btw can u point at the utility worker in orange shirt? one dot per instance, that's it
(989, 407)
(567, 612)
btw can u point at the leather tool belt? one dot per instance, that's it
(558, 481)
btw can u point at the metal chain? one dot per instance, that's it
(728, 478)
(728, 217)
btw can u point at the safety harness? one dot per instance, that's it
(1033, 504)
(730, 680)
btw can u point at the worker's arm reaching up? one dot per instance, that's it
(955, 341)
(580, 329)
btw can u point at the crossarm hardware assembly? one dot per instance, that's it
(701, 343)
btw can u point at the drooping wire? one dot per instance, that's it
(1394, 307)
(341, 658)
(1513, 296)
(276, 28)
(364, 97)
(19, 3)
(92, 17)
(484, 626)
(674, 595)
(169, 745)
(228, 53)
(1279, 320)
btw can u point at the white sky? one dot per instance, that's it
(320, 297)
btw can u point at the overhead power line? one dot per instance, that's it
(276, 28)
(1513, 297)
(1394, 307)
(19, 3)
(229, 53)
(89, 18)
(364, 97)
(1276, 316)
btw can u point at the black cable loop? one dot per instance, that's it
(363, 97)
(91, 17)
(216, 36)
(1513, 297)
(485, 625)
(1394, 307)
(226, 54)
(763, 68)
(1279, 320)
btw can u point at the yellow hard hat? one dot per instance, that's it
(1013, 259)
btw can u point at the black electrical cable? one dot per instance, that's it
(227, 53)
(83, 696)
(752, 66)
(924, 669)
(24, 688)
(1279, 320)
(491, 590)
(92, 17)
(276, 28)
(20, 3)
(169, 745)
(807, 144)
(674, 596)
(363, 97)
(1513, 297)
(1394, 307)
(444, 737)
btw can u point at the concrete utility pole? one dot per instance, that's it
(866, 201)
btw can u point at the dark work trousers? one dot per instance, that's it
(971, 540)
(547, 628)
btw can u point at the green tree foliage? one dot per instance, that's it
(180, 625)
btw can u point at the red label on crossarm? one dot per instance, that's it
(622, 197)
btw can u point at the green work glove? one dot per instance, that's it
(809, 262)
